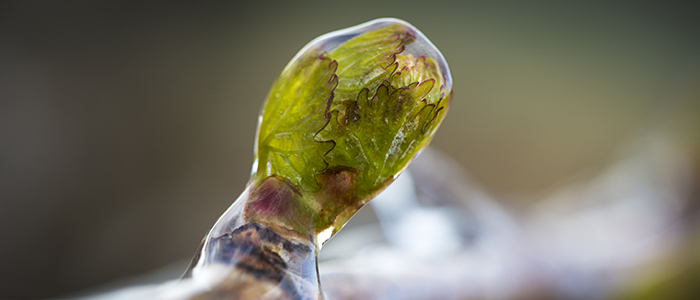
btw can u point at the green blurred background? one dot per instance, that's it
(127, 128)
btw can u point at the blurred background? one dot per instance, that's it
(127, 128)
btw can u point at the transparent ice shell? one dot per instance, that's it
(246, 257)
(422, 46)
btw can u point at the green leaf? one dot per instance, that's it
(366, 60)
(294, 112)
(339, 126)
(379, 135)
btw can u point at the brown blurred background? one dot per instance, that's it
(127, 128)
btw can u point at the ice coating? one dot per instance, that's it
(422, 46)
(344, 118)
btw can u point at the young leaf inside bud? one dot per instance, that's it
(344, 118)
